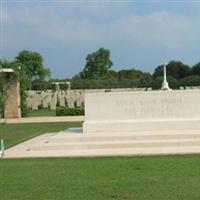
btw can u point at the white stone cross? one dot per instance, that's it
(165, 85)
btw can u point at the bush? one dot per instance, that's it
(65, 111)
(107, 84)
(193, 80)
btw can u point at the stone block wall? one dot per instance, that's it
(12, 101)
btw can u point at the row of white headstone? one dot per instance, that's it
(71, 98)
(37, 99)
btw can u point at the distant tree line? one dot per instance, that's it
(97, 73)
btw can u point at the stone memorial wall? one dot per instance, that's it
(130, 111)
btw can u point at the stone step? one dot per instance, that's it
(106, 152)
(101, 138)
(115, 144)
(77, 132)
(73, 143)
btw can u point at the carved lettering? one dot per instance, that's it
(148, 107)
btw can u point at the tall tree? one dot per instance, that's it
(97, 65)
(33, 65)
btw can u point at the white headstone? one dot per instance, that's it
(53, 103)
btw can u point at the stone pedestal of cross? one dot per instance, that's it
(12, 107)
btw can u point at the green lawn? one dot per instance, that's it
(111, 178)
(16, 133)
(41, 112)
(121, 178)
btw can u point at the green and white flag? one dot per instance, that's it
(2, 147)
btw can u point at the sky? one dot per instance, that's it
(139, 34)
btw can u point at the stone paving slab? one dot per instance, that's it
(43, 119)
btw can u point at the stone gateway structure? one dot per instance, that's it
(12, 107)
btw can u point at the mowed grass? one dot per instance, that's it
(41, 112)
(119, 178)
(108, 178)
(13, 134)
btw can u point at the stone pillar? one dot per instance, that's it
(12, 101)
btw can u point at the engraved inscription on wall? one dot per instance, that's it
(150, 107)
(144, 105)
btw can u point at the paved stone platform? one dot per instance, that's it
(43, 119)
(73, 143)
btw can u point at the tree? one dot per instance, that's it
(3, 80)
(132, 74)
(1, 95)
(97, 65)
(34, 67)
(193, 80)
(175, 69)
(196, 69)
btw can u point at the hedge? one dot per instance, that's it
(65, 111)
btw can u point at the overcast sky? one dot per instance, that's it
(139, 34)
